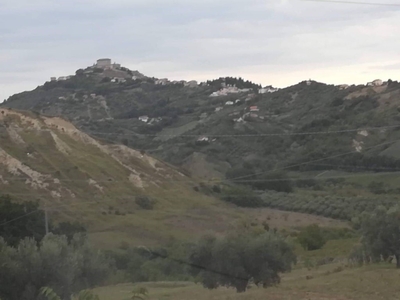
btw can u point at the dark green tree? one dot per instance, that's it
(20, 220)
(64, 267)
(241, 196)
(241, 258)
(311, 238)
(276, 181)
(69, 229)
(381, 234)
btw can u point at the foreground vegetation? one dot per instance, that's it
(248, 257)
(329, 282)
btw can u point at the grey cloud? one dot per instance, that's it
(196, 38)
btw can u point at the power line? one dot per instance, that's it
(236, 181)
(20, 217)
(237, 135)
(316, 160)
(247, 135)
(355, 2)
(196, 266)
(357, 167)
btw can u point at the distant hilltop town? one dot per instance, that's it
(117, 74)
(102, 63)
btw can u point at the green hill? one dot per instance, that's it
(323, 141)
(119, 193)
(307, 121)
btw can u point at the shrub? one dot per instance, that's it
(311, 238)
(144, 202)
(241, 196)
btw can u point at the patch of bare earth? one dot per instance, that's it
(15, 137)
(15, 167)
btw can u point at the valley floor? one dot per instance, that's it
(329, 282)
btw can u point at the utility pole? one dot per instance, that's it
(46, 221)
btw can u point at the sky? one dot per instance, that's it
(271, 42)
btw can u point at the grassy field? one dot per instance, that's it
(329, 282)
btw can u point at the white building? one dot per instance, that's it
(53, 78)
(217, 109)
(144, 119)
(62, 78)
(203, 139)
(229, 103)
(163, 81)
(343, 86)
(267, 89)
(239, 120)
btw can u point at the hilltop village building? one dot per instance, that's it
(376, 82)
(105, 63)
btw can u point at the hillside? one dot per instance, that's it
(79, 178)
(120, 194)
(280, 130)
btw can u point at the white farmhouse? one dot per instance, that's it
(144, 119)
(229, 103)
(203, 139)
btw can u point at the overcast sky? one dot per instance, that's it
(278, 42)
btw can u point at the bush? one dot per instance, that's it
(311, 238)
(144, 202)
(377, 187)
(241, 196)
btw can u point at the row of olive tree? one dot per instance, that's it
(66, 267)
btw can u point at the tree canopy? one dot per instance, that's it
(26, 219)
(380, 235)
(65, 267)
(239, 259)
(312, 238)
(20, 220)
